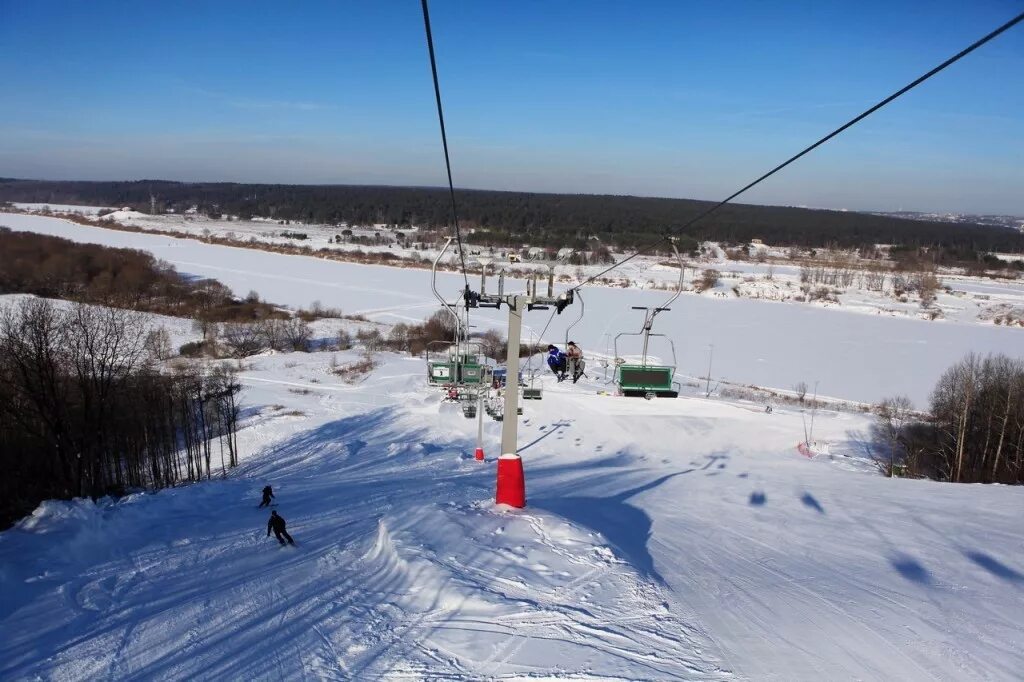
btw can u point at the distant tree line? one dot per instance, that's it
(54, 267)
(922, 258)
(516, 218)
(436, 333)
(84, 410)
(974, 432)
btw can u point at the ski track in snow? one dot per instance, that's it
(403, 569)
(663, 540)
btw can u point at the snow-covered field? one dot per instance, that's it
(671, 539)
(778, 279)
(851, 355)
(665, 539)
(62, 208)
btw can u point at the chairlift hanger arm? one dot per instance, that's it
(579, 319)
(433, 284)
(679, 285)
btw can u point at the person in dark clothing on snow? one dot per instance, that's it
(277, 524)
(268, 494)
(556, 361)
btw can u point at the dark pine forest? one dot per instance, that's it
(516, 218)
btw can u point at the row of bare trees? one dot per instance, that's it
(84, 410)
(843, 270)
(248, 338)
(833, 269)
(54, 267)
(435, 333)
(242, 339)
(978, 411)
(974, 432)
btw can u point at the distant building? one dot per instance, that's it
(757, 242)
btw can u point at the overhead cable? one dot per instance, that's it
(444, 142)
(853, 121)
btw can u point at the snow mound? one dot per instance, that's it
(122, 215)
(53, 516)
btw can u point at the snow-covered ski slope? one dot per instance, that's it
(851, 355)
(663, 540)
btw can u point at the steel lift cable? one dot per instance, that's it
(910, 86)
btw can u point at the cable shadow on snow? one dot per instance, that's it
(810, 501)
(907, 566)
(626, 527)
(555, 427)
(911, 569)
(995, 567)
(867, 446)
(978, 557)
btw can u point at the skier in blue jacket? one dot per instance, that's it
(556, 361)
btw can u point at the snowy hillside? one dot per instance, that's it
(681, 539)
(665, 539)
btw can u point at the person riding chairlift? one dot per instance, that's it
(574, 354)
(557, 361)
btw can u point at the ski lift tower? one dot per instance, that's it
(511, 483)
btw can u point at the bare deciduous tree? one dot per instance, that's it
(893, 417)
(978, 414)
(801, 390)
(242, 339)
(84, 411)
(158, 344)
(708, 280)
(296, 333)
(927, 287)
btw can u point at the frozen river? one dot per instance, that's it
(851, 355)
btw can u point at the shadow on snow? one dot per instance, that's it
(626, 527)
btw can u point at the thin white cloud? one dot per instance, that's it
(852, 107)
(278, 104)
(266, 104)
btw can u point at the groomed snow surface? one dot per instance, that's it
(670, 539)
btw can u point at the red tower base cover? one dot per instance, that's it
(511, 482)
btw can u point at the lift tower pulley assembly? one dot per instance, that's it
(511, 485)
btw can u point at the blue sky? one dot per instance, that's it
(682, 99)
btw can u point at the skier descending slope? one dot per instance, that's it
(277, 524)
(268, 494)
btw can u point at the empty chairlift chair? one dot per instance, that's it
(644, 379)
